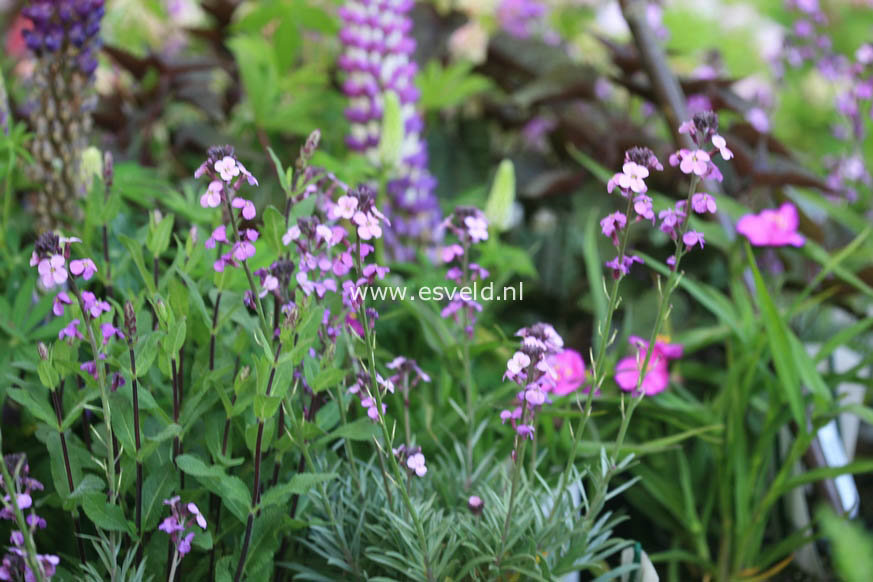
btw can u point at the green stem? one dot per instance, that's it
(252, 287)
(386, 434)
(520, 446)
(101, 382)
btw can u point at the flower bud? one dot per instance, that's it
(475, 504)
(129, 321)
(108, 170)
(43, 351)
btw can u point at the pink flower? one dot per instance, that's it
(84, 267)
(703, 203)
(416, 463)
(477, 228)
(243, 250)
(248, 207)
(612, 224)
(108, 331)
(292, 235)
(52, 271)
(450, 252)
(632, 177)
(657, 374)
(719, 142)
(368, 226)
(570, 370)
(219, 235)
(212, 197)
(692, 237)
(643, 207)
(696, 162)
(772, 228)
(93, 305)
(61, 299)
(270, 284)
(346, 207)
(227, 168)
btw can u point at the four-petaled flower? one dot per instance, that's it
(416, 463)
(227, 168)
(52, 271)
(720, 143)
(694, 162)
(703, 203)
(84, 267)
(212, 197)
(692, 237)
(477, 228)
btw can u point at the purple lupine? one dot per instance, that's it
(64, 39)
(377, 58)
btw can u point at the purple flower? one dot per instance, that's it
(703, 203)
(525, 430)
(622, 267)
(643, 207)
(179, 521)
(84, 267)
(93, 305)
(71, 331)
(109, 331)
(694, 162)
(692, 237)
(248, 208)
(52, 271)
(517, 16)
(475, 504)
(212, 197)
(219, 235)
(612, 224)
(416, 464)
(60, 300)
(720, 143)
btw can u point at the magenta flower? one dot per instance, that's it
(109, 331)
(93, 305)
(772, 228)
(84, 267)
(643, 207)
(525, 430)
(622, 267)
(475, 504)
(657, 374)
(346, 206)
(368, 226)
(477, 228)
(569, 368)
(612, 224)
(52, 271)
(692, 237)
(179, 521)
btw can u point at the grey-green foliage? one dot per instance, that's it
(369, 538)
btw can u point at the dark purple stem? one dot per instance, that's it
(58, 405)
(256, 485)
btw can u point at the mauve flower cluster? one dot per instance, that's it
(64, 39)
(470, 227)
(51, 257)
(182, 517)
(377, 58)
(630, 182)
(531, 368)
(226, 177)
(361, 389)
(809, 43)
(657, 374)
(14, 565)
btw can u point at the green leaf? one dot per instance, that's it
(274, 229)
(391, 140)
(327, 378)
(231, 489)
(86, 486)
(47, 374)
(362, 429)
(158, 238)
(850, 544)
(498, 209)
(256, 61)
(266, 406)
(176, 337)
(300, 484)
(135, 249)
(156, 487)
(38, 407)
(450, 86)
(104, 515)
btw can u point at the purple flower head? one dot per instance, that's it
(622, 267)
(519, 18)
(475, 504)
(692, 237)
(183, 517)
(60, 300)
(71, 331)
(702, 203)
